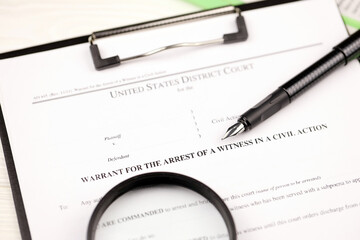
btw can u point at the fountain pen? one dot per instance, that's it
(341, 54)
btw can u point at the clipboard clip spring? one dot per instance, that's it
(104, 63)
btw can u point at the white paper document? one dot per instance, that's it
(76, 132)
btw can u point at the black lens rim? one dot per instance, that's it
(156, 178)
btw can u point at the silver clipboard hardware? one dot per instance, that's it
(104, 63)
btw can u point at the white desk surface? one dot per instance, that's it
(29, 23)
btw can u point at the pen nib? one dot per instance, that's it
(234, 130)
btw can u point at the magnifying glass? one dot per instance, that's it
(161, 205)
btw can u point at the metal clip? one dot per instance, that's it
(240, 35)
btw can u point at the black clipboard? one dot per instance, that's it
(15, 187)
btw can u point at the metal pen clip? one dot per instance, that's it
(103, 63)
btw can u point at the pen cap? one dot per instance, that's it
(350, 47)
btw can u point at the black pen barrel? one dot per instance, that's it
(350, 47)
(313, 74)
(341, 55)
(291, 89)
(264, 109)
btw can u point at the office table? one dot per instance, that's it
(25, 24)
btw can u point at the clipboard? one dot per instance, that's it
(100, 64)
(84, 39)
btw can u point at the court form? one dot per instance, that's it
(76, 132)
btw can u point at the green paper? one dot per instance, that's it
(351, 22)
(209, 4)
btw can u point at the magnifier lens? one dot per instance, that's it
(161, 211)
